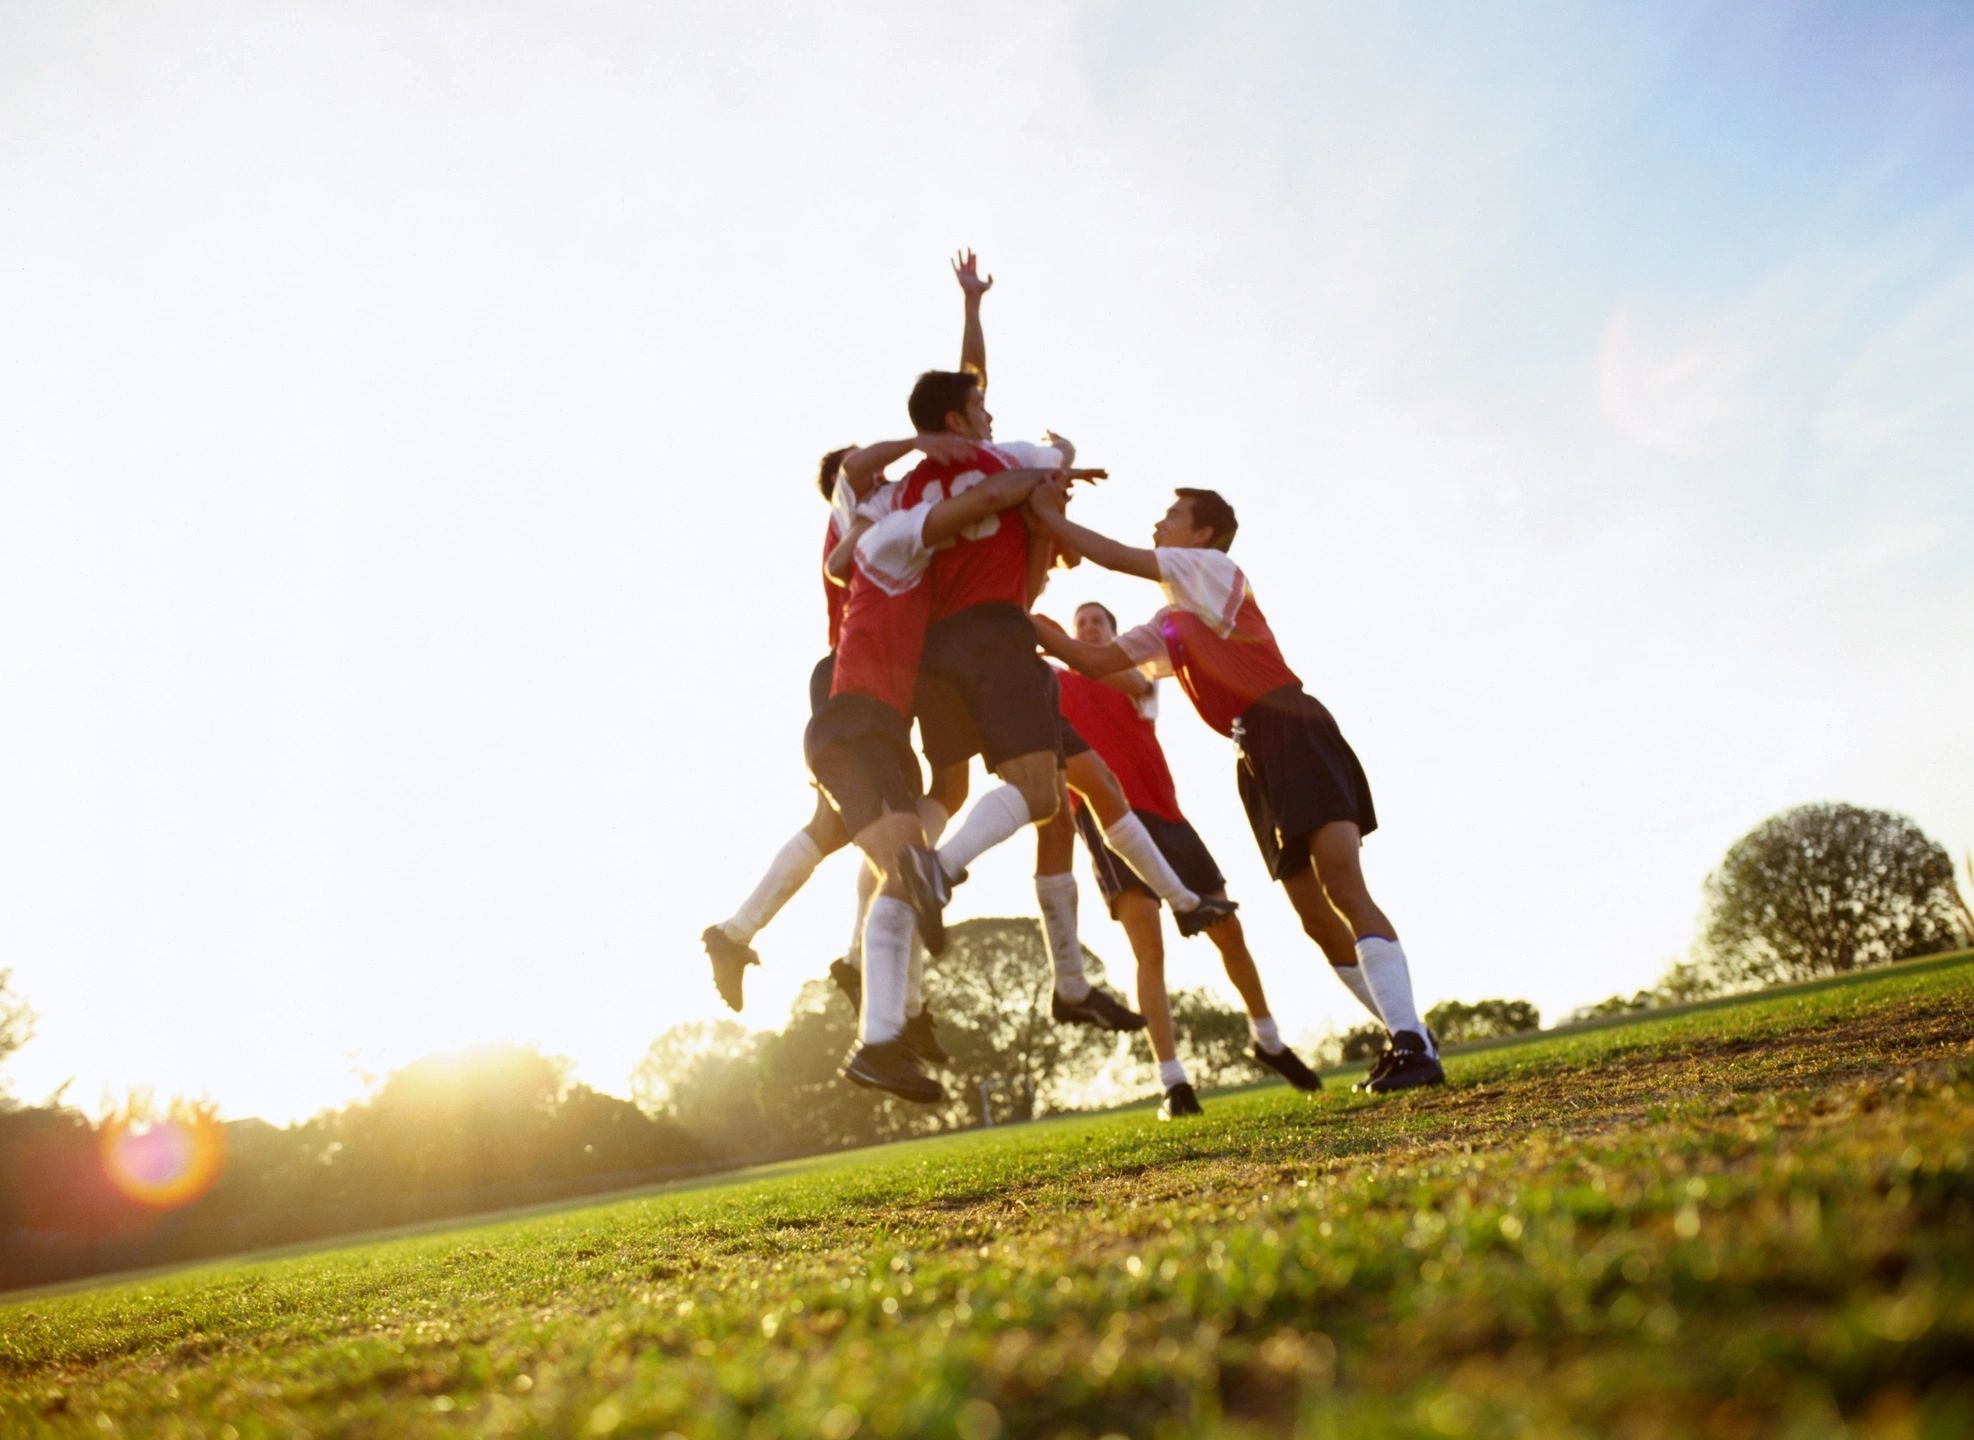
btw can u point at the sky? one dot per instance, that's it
(409, 418)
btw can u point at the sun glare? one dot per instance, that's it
(164, 1163)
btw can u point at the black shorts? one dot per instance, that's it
(986, 655)
(860, 751)
(1177, 841)
(945, 730)
(1297, 774)
(820, 679)
(1068, 741)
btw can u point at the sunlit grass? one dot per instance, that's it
(1747, 1220)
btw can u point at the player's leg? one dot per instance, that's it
(728, 943)
(1126, 835)
(1074, 1000)
(1334, 851)
(1269, 1048)
(1323, 923)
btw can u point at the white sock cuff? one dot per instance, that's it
(1170, 1073)
(1047, 887)
(1266, 1034)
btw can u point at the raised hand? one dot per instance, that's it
(966, 269)
(1051, 496)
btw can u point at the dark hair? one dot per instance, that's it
(826, 472)
(1211, 512)
(1103, 607)
(938, 394)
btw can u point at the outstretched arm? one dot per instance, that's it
(991, 496)
(842, 560)
(1047, 507)
(973, 340)
(1096, 661)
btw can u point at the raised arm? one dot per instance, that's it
(863, 466)
(1096, 661)
(1046, 505)
(973, 340)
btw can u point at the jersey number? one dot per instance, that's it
(979, 529)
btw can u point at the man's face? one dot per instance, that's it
(1093, 627)
(976, 423)
(1175, 527)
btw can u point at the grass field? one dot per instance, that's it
(1756, 1219)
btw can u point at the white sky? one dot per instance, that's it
(407, 521)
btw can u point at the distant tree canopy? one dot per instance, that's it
(1823, 889)
(16, 1020)
(1456, 1022)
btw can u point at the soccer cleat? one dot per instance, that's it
(730, 962)
(1179, 1102)
(890, 1066)
(850, 980)
(1408, 1064)
(926, 890)
(1379, 1064)
(1287, 1064)
(1205, 915)
(1099, 1008)
(922, 1042)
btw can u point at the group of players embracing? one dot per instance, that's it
(929, 581)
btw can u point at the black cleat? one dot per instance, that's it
(730, 962)
(1287, 1064)
(918, 1037)
(850, 980)
(893, 1068)
(926, 890)
(1205, 915)
(1407, 1065)
(1179, 1102)
(1099, 1008)
(1379, 1064)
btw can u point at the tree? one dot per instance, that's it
(16, 1020)
(1455, 1021)
(1364, 1042)
(1823, 889)
(1214, 1040)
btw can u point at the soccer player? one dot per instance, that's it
(1116, 716)
(846, 477)
(1305, 793)
(980, 646)
(858, 745)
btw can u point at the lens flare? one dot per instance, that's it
(164, 1163)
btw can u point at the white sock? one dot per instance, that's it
(932, 818)
(794, 863)
(887, 958)
(1135, 846)
(915, 978)
(866, 890)
(1390, 979)
(1170, 1073)
(995, 816)
(1056, 894)
(1265, 1034)
(1354, 981)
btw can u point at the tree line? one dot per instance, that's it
(1816, 890)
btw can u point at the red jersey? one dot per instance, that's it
(1120, 730)
(1211, 635)
(988, 562)
(884, 619)
(841, 509)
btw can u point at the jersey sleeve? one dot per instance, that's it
(1027, 455)
(842, 507)
(1146, 647)
(892, 554)
(1204, 582)
(881, 501)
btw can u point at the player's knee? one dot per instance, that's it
(1042, 797)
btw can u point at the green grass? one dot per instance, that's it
(1755, 1219)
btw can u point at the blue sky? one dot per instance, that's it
(405, 569)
